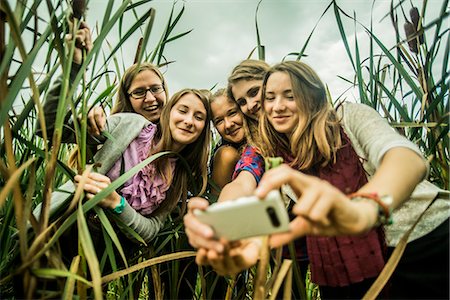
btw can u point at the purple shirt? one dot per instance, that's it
(146, 190)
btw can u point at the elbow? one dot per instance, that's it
(422, 168)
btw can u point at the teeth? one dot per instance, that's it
(153, 107)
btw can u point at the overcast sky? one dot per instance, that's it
(224, 34)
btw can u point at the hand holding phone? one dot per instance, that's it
(246, 217)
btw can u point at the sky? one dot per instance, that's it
(224, 33)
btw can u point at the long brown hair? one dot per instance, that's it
(195, 154)
(316, 138)
(247, 70)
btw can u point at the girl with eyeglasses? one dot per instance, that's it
(145, 200)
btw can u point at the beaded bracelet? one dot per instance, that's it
(383, 203)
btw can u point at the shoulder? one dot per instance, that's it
(128, 117)
(227, 153)
(129, 120)
(250, 150)
(350, 110)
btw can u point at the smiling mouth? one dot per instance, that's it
(234, 132)
(280, 118)
(185, 130)
(151, 108)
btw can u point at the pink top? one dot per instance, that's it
(146, 189)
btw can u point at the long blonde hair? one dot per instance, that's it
(195, 154)
(316, 138)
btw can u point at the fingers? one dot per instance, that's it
(314, 205)
(99, 177)
(201, 258)
(199, 234)
(94, 183)
(87, 36)
(275, 178)
(297, 228)
(91, 187)
(82, 39)
(97, 120)
(236, 258)
(197, 203)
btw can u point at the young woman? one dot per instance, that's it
(145, 200)
(298, 124)
(230, 123)
(244, 86)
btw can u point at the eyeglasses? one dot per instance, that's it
(141, 93)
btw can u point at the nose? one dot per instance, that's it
(149, 96)
(279, 104)
(228, 123)
(253, 106)
(189, 120)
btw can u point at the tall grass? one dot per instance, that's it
(408, 83)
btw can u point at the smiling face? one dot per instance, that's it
(247, 94)
(227, 119)
(279, 103)
(150, 105)
(187, 120)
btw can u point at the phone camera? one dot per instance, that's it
(273, 216)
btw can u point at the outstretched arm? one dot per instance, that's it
(83, 43)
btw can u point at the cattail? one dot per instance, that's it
(138, 50)
(415, 18)
(410, 35)
(78, 8)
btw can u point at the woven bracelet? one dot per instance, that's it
(384, 202)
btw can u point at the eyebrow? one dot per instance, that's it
(283, 92)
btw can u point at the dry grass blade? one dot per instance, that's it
(79, 190)
(89, 251)
(157, 283)
(70, 283)
(148, 263)
(285, 269)
(13, 180)
(261, 274)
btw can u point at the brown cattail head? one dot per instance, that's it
(410, 35)
(78, 8)
(415, 18)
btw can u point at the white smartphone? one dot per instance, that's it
(246, 217)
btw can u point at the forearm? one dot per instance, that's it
(244, 185)
(146, 227)
(401, 169)
(51, 106)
